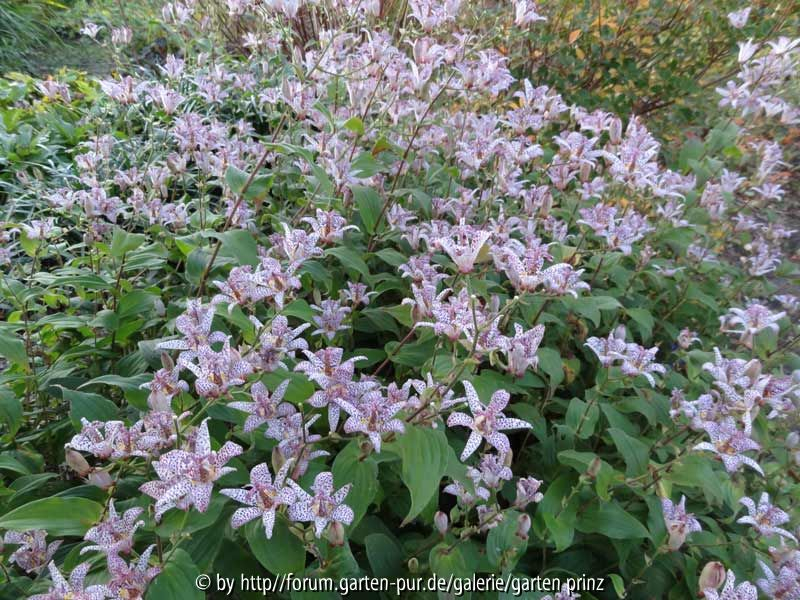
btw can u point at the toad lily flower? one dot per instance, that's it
(749, 321)
(521, 349)
(463, 246)
(187, 477)
(74, 588)
(731, 591)
(130, 580)
(262, 497)
(115, 534)
(264, 408)
(765, 517)
(324, 507)
(373, 415)
(679, 522)
(486, 422)
(786, 584)
(34, 552)
(728, 443)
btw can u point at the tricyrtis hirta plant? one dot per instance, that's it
(340, 289)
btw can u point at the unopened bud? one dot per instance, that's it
(523, 526)
(711, 577)
(615, 131)
(101, 479)
(277, 459)
(413, 564)
(440, 520)
(77, 463)
(793, 440)
(594, 467)
(336, 534)
(167, 362)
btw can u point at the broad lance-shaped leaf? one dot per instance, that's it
(424, 455)
(634, 452)
(59, 516)
(282, 553)
(350, 467)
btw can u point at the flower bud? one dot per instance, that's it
(101, 479)
(336, 534)
(793, 440)
(413, 564)
(440, 520)
(77, 463)
(523, 526)
(594, 467)
(711, 577)
(615, 130)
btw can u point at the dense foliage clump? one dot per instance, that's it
(344, 288)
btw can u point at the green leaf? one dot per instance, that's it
(618, 583)
(283, 553)
(177, 579)
(60, 516)
(123, 242)
(350, 467)
(611, 520)
(13, 348)
(635, 453)
(369, 206)
(239, 244)
(411, 355)
(10, 411)
(424, 455)
(644, 320)
(504, 547)
(355, 125)
(446, 561)
(258, 189)
(582, 417)
(385, 556)
(93, 407)
(350, 259)
(550, 362)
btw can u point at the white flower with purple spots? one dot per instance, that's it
(263, 497)
(325, 506)
(486, 422)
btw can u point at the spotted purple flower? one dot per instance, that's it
(324, 507)
(195, 325)
(521, 349)
(729, 443)
(765, 517)
(463, 245)
(328, 226)
(187, 476)
(278, 343)
(610, 348)
(731, 591)
(326, 369)
(262, 497)
(130, 580)
(527, 492)
(264, 407)
(679, 523)
(331, 318)
(33, 552)
(106, 440)
(295, 441)
(638, 360)
(749, 321)
(785, 585)
(217, 372)
(114, 535)
(74, 588)
(373, 415)
(486, 422)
